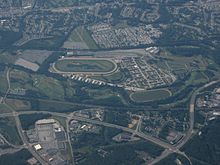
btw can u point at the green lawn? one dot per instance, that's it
(84, 65)
(150, 95)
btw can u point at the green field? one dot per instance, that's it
(197, 78)
(80, 38)
(150, 95)
(9, 130)
(7, 57)
(4, 108)
(3, 82)
(115, 78)
(84, 65)
(85, 35)
(46, 86)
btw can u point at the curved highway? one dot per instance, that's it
(169, 148)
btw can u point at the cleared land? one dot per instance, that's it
(80, 39)
(85, 66)
(150, 95)
(18, 104)
(44, 86)
(3, 82)
(4, 109)
(9, 130)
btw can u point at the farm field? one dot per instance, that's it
(150, 95)
(84, 65)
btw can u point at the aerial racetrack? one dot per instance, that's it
(150, 95)
(85, 66)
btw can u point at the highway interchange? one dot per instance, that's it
(169, 149)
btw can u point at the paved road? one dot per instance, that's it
(8, 143)
(121, 108)
(126, 129)
(68, 138)
(18, 125)
(169, 148)
(25, 141)
(96, 122)
(189, 132)
(192, 113)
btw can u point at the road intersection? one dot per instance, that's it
(169, 149)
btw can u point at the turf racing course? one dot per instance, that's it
(85, 66)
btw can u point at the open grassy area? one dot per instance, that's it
(85, 65)
(74, 36)
(197, 78)
(53, 106)
(84, 33)
(100, 94)
(49, 86)
(3, 82)
(150, 95)
(181, 64)
(80, 38)
(7, 57)
(41, 84)
(19, 104)
(9, 130)
(116, 77)
(4, 109)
